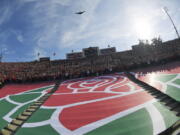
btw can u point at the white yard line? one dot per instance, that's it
(36, 124)
(157, 119)
(175, 85)
(11, 101)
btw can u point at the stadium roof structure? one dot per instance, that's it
(111, 104)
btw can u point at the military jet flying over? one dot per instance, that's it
(81, 12)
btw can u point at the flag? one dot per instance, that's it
(38, 54)
(54, 54)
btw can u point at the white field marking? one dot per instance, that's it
(17, 103)
(36, 124)
(36, 89)
(175, 85)
(110, 89)
(89, 82)
(27, 92)
(55, 122)
(100, 78)
(92, 88)
(12, 101)
(75, 90)
(118, 85)
(164, 85)
(86, 82)
(178, 76)
(69, 86)
(54, 125)
(43, 91)
(170, 82)
(157, 119)
(94, 100)
(79, 93)
(7, 116)
(58, 126)
(97, 91)
(104, 83)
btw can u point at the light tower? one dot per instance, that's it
(166, 11)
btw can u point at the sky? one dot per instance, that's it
(29, 27)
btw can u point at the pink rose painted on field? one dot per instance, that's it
(86, 101)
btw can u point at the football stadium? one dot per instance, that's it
(93, 91)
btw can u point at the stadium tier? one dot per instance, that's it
(95, 63)
(103, 105)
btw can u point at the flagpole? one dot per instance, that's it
(166, 11)
(1, 55)
(38, 54)
(54, 54)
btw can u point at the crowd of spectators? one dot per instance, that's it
(98, 65)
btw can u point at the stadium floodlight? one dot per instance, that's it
(166, 11)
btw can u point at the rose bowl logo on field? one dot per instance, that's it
(85, 104)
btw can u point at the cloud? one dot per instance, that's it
(18, 34)
(56, 23)
(52, 25)
(20, 38)
(67, 37)
(5, 14)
